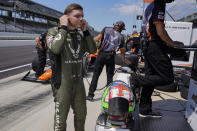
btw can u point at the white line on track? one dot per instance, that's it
(17, 40)
(17, 67)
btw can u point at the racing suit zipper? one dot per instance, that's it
(75, 73)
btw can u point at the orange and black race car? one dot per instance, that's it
(39, 62)
(44, 78)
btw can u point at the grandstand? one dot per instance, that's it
(26, 16)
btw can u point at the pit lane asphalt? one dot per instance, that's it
(27, 106)
(14, 53)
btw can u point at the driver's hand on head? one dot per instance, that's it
(84, 25)
(64, 20)
(178, 43)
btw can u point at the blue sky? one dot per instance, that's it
(101, 13)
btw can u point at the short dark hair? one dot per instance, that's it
(72, 7)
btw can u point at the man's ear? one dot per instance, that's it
(69, 22)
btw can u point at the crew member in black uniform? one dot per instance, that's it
(158, 66)
(112, 39)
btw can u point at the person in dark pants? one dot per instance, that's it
(158, 66)
(112, 39)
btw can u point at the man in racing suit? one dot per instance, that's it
(70, 45)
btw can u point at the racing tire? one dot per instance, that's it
(133, 58)
(183, 92)
(34, 63)
(39, 62)
(168, 88)
(185, 78)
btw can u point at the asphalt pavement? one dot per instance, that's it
(16, 56)
(27, 106)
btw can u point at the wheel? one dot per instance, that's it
(184, 92)
(34, 63)
(39, 62)
(131, 57)
(185, 76)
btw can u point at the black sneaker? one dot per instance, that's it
(151, 114)
(90, 98)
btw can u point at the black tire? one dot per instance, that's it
(132, 57)
(184, 92)
(118, 60)
(34, 63)
(185, 77)
(39, 61)
(168, 88)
